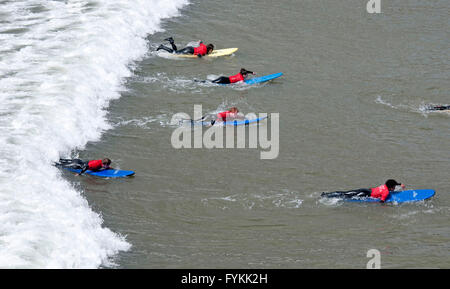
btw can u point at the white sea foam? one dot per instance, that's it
(61, 62)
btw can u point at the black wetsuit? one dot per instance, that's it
(76, 164)
(174, 49)
(359, 193)
(232, 79)
(222, 79)
(440, 107)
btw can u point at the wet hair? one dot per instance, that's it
(209, 48)
(237, 110)
(106, 161)
(245, 71)
(391, 184)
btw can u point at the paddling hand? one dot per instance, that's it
(403, 186)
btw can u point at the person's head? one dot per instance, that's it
(209, 48)
(234, 110)
(391, 184)
(245, 72)
(106, 162)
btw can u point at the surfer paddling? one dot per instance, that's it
(241, 76)
(381, 192)
(231, 114)
(440, 108)
(200, 51)
(77, 164)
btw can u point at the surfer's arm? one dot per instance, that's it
(384, 197)
(83, 170)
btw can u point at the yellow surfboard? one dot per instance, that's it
(215, 53)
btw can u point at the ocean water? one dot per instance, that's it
(82, 79)
(61, 63)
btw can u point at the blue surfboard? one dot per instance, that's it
(234, 122)
(110, 173)
(256, 80)
(399, 197)
(263, 78)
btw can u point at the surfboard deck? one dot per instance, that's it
(110, 173)
(215, 53)
(399, 197)
(264, 78)
(255, 80)
(234, 122)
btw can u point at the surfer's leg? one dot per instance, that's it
(441, 107)
(172, 42)
(222, 79)
(174, 47)
(164, 48)
(170, 39)
(68, 162)
(359, 193)
(62, 162)
(76, 164)
(337, 194)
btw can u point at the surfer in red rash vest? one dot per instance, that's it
(440, 108)
(200, 51)
(243, 73)
(93, 165)
(231, 114)
(381, 192)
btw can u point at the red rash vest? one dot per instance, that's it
(381, 192)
